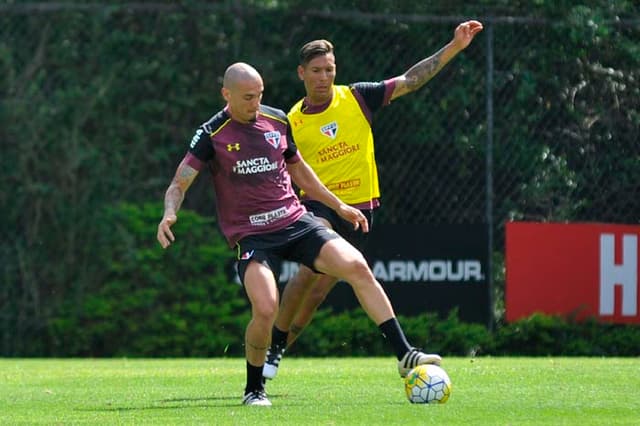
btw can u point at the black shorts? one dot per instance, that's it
(299, 242)
(356, 237)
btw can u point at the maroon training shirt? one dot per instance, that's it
(247, 161)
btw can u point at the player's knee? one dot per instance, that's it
(316, 296)
(319, 291)
(359, 275)
(304, 276)
(265, 312)
(360, 268)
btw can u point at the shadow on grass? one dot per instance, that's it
(178, 404)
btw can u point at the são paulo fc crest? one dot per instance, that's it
(330, 130)
(273, 138)
(246, 255)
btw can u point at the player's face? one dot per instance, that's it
(318, 77)
(243, 99)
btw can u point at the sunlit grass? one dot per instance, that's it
(308, 391)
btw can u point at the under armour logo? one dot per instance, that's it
(233, 146)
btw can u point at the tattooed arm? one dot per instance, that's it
(419, 74)
(173, 198)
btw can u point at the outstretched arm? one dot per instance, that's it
(304, 176)
(419, 74)
(173, 199)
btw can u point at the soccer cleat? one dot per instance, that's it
(414, 358)
(272, 362)
(258, 398)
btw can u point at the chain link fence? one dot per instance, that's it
(535, 120)
(431, 145)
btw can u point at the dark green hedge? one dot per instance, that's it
(180, 302)
(98, 103)
(155, 302)
(352, 334)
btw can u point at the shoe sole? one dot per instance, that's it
(259, 404)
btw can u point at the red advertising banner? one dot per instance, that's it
(579, 269)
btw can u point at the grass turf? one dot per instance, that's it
(318, 391)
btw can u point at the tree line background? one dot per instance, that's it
(538, 119)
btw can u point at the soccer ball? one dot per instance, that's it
(427, 384)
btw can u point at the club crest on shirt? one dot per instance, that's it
(273, 138)
(330, 130)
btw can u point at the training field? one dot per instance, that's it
(318, 391)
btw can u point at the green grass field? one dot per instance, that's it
(320, 391)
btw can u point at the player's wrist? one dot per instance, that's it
(169, 215)
(341, 207)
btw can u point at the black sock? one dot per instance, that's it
(254, 379)
(393, 332)
(279, 337)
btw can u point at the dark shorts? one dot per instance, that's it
(299, 242)
(357, 238)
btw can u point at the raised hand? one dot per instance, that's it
(465, 32)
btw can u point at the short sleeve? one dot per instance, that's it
(200, 146)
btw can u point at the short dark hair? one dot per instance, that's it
(314, 49)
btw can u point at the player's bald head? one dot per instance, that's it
(238, 73)
(242, 88)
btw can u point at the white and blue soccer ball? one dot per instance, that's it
(427, 384)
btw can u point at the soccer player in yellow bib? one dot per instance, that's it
(332, 129)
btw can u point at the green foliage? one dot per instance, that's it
(173, 302)
(555, 335)
(98, 103)
(179, 302)
(352, 333)
(347, 333)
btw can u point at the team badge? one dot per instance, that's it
(246, 255)
(273, 138)
(330, 130)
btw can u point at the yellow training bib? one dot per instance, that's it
(338, 144)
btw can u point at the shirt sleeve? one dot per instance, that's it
(291, 153)
(374, 94)
(201, 146)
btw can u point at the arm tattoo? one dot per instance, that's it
(186, 173)
(423, 71)
(173, 198)
(181, 182)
